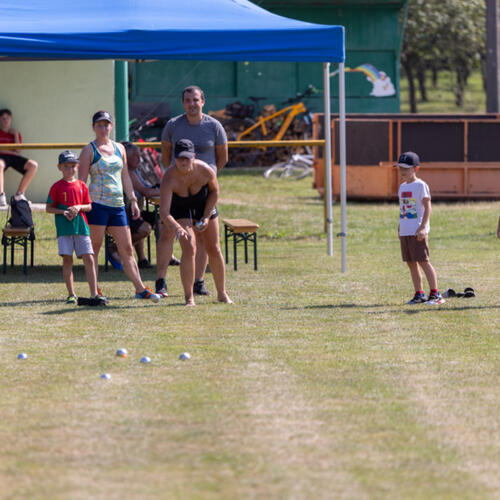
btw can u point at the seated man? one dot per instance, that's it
(140, 228)
(11, 158)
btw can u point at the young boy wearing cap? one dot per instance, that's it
(414, 215)
(69, 199)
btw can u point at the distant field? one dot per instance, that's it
(442, 99)
(314, 385)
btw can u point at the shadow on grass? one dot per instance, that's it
(333, 306)
(444, 309)
(411, 310)
(53, 274)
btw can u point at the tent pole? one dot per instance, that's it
(327, 156)
(121, 100)
(342, 155)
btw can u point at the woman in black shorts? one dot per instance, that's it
(188, 194)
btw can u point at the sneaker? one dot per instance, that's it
(101, 300)
(148, 294)
(144, 264)
(3, 200)
(161, 288)
(174, 261)
(435, 300)
(199, 288)
(101, 297)
(72, 299)
(419, 298)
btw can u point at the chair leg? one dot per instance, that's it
(255, 251)
(235, 253)
(12, 242)
(25, 255)
(245, 239)
(226, 242)
(106, 252)
(4, 244)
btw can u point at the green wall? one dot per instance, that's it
(372, 36)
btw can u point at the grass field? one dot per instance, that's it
(441, 97)
(315, 384)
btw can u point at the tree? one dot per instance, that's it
(442, 34)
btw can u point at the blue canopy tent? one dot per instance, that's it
(235, 30)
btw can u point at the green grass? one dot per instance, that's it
(441, 99)
(315, 384)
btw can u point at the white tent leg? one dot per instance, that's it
(342, 155)
(327, 156)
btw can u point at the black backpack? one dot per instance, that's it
(20, 213)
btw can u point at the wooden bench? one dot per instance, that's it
(240, 230)
(12, 236)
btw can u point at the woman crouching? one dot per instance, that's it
(188, 194)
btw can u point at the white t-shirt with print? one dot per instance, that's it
(411, 209)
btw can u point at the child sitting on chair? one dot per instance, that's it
(69, 199)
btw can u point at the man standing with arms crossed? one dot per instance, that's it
(210, 142)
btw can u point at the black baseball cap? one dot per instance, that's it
(102, 115)
(408, 160)
(68, 157)
(184, 148)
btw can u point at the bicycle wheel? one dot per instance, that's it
(297, 170)
(276, 171)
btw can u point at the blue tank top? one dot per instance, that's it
(106, 177)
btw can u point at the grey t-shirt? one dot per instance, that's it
(205, 136)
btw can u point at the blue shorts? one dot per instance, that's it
(102, 215)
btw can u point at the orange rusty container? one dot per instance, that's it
(458, 153)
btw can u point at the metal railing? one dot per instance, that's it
(231, 144)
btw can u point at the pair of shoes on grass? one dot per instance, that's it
(98, 300)
(466, 294)
(432, 300)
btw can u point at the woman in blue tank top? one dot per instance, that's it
(105, 162)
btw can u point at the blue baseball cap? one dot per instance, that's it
(408, 160)
(68, 157)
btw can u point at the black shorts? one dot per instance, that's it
(135, 224)
(17, 162)
(195, 213)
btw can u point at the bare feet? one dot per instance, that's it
(190, 301)
(225, 298)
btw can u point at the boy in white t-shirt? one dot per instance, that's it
(414, 215)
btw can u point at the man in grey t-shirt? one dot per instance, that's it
(210, 142)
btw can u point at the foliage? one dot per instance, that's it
(443, 34)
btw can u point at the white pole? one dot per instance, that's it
(342, 155)
(327, 157)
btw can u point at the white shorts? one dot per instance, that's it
(79, 243)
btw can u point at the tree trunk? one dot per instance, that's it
(411, 87)
(421, 84)
(462, 76)
(434, 76)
